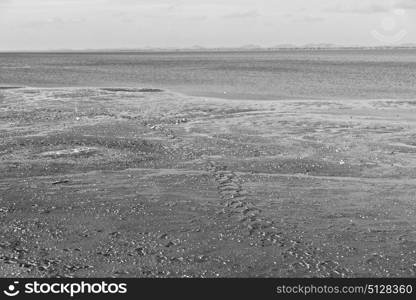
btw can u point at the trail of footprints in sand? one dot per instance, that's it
(235, 200)
(301, 257)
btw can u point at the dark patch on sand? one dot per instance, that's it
(133, 90)
(10, 87)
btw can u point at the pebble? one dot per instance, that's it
(163, 236)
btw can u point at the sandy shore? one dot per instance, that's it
(144, 183)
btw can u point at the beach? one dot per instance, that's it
(145, 182)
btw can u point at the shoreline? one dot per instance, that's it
(200, 95)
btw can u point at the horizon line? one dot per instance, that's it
(318, 46)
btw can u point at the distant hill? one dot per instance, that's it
(248, 47)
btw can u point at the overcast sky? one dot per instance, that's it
(80, 24)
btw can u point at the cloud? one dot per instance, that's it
(304, 18)
(364, 7)
(311, 19)
(5, 3)
(371, 6)
(243, 15)
(406, 4)
(53, 22)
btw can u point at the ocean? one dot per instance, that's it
(284, 74)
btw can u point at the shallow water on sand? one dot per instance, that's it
(335, 74)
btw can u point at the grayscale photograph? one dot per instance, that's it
(207, 139)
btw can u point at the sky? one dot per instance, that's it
(107, 24)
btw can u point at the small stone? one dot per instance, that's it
(169, 244)
(163, 236)
(140, 251)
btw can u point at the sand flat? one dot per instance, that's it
(201, 187)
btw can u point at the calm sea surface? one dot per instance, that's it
(341, 74)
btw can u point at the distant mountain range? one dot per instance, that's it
(307, 46)
(253, 47)
(250, 47)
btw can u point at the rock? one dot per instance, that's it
(163, 236)
(140, 251)
(169, 244)
(60, 181)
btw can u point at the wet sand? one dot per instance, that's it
(146, 183)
